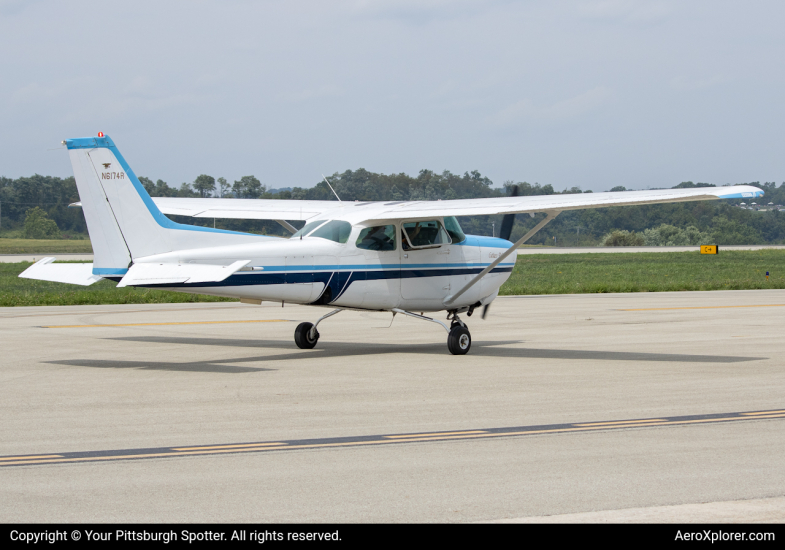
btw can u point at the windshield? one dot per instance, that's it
(335, 230)
(307, 228)
(454, 229)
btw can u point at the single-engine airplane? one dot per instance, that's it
(397, 256)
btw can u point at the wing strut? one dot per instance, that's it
(289, 227)
(551, 214)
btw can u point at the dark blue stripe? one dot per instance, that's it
(339, 281)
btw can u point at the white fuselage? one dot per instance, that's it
(317, 271)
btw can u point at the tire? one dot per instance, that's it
(459, 342)
(302, 336)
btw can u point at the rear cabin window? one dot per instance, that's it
(379, 237)
(423, 234)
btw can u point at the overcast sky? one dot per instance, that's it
(588, 93)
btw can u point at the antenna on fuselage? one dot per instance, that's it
(331, 188)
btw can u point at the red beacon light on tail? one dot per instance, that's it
(100, 134)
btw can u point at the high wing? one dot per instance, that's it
(357, 212)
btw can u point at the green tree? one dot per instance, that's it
(223, 187)
(248, 187)
(205, 185)
(186, 191)
(623, 238)
(39, 226)
(148, 185)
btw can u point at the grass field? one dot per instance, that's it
(533, 274)
(48, 246)
(27, 292)
(645, 272)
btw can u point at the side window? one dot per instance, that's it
(424, 233)
(380, 237)
(336, 230)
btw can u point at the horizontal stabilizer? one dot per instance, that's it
(142, 274)
(75, 274)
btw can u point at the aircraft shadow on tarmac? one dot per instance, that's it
(195, 366)
(345, 349)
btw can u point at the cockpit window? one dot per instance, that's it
(424, 233)
(380, 237)
(335, 230)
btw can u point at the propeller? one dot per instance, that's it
(507, 221)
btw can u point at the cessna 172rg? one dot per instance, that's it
(397, 256)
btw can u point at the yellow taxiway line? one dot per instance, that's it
(160, 324)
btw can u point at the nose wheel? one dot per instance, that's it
(459, 341)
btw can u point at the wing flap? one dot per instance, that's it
(246, 209)
(75, 274)
(162, 274)
(248, 214)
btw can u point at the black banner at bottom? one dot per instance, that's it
(356, 535)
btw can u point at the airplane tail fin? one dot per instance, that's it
(123, 221)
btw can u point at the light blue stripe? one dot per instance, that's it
(109, 271)
(487, 242)
(753, 195)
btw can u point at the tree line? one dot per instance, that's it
(721, 221)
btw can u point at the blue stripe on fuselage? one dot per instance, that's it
(337, 279)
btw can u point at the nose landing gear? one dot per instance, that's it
(459, 341)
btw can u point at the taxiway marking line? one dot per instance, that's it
(178, 323)
(699, 307)
(620, 422)
(434, 434)
(384, 439)
(238, 446)
(32, 457)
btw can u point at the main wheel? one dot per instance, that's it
(459, 341)
(302, 336)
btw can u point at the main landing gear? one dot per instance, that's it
(306, 335)
(459, 340)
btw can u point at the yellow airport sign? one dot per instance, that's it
(710, 249)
